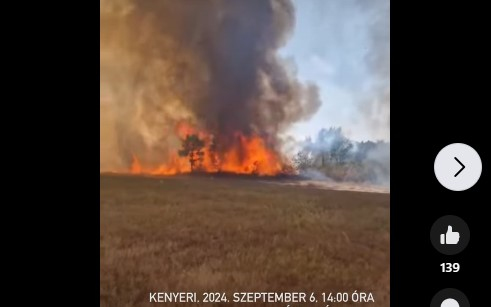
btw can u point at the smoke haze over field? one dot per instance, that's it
(212, 64)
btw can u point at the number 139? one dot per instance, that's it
(450, 267)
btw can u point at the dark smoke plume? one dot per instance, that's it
(210, 63)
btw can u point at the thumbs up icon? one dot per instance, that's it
(450, 302)
(450, 237)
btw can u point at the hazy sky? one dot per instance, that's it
(343, 46)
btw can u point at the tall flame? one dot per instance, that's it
(251, 155)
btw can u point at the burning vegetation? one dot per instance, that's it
(198, 153)
(197, 86)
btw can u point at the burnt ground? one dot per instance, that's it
(232, 234)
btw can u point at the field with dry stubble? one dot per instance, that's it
(199, 234)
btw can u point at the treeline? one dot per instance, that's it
(335, 156)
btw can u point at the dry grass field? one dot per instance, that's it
(199, 234)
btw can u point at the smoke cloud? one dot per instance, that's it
(376, 108)
(210, 63)
(336, 157)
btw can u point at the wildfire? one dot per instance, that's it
(249, 155)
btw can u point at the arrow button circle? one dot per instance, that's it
(458, 167)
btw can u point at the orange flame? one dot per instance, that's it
(249, 156)
(136, 168)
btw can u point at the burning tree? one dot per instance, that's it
(192, 147)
